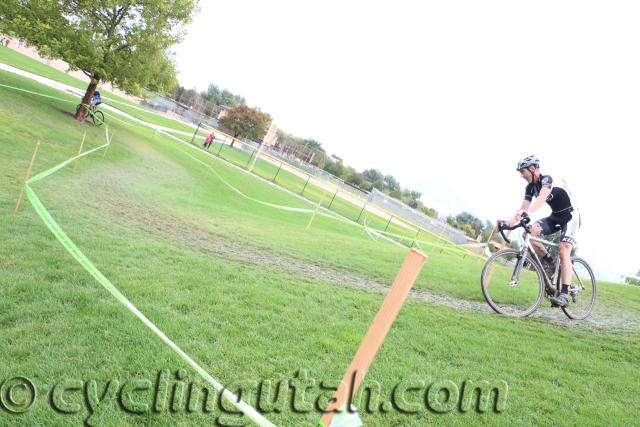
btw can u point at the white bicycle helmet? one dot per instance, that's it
(528, 161)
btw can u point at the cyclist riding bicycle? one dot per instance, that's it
(96, 100)
(565, 217)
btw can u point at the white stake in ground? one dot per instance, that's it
(109, 145)
(264, 141)
(375, 335)
(315, 212)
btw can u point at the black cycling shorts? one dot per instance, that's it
(567, 222)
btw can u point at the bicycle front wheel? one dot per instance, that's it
(504, 296)
(582, 291)
(98, 118)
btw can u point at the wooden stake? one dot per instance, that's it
(491, 235)
(26, 177)
(375, 335)
(75, 164)
(315, 212)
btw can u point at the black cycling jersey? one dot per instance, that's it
(560, 198)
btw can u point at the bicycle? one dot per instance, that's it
(514, 282)
(96, 115)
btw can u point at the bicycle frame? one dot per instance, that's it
(528, 247)
(551, 288)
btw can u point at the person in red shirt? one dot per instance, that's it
(208, 140)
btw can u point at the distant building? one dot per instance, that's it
(224, 112)
(336, 158)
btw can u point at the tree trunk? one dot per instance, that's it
(81, 112)
(235, 136)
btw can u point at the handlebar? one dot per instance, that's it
(505, 226)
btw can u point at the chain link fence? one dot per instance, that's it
(178, 111)
(414, 216)
(375, 210)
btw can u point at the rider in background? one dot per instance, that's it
(96, 99)
(565, 217)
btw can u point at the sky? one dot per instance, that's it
(448, 96)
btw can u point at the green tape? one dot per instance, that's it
(79, 256)
(55, 169)
(36, 93)
(449, 247)
(332, 215)
(239, 192)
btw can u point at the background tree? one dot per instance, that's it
(246, 122)
(222, 96)
(312, 144)
(375, 178)
(472, 226)
(475, 223)
(334, 168)
(632, 281)
(354, 177)
(188, 97)
(123, 42)
(411, 197)
(430, 212)
(391, 185)
(466, 228)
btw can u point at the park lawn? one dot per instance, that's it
(18, 60)
(202, 263)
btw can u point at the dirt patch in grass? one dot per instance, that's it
(112, 197)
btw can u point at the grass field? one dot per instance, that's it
(251, 295)
(18, 60)
(273, 172)
(236, 156)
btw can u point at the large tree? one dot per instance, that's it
(118, 41)
(247, 122)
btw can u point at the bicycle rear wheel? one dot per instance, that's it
(582, 291)
(517, 300)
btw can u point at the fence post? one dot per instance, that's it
(196, 132)
(333, 198)
(274, 178)
(365, 205)
(305, 185)
(250, 157)
(390, 218)
(222, 144)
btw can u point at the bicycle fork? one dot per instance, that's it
(515, 278)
